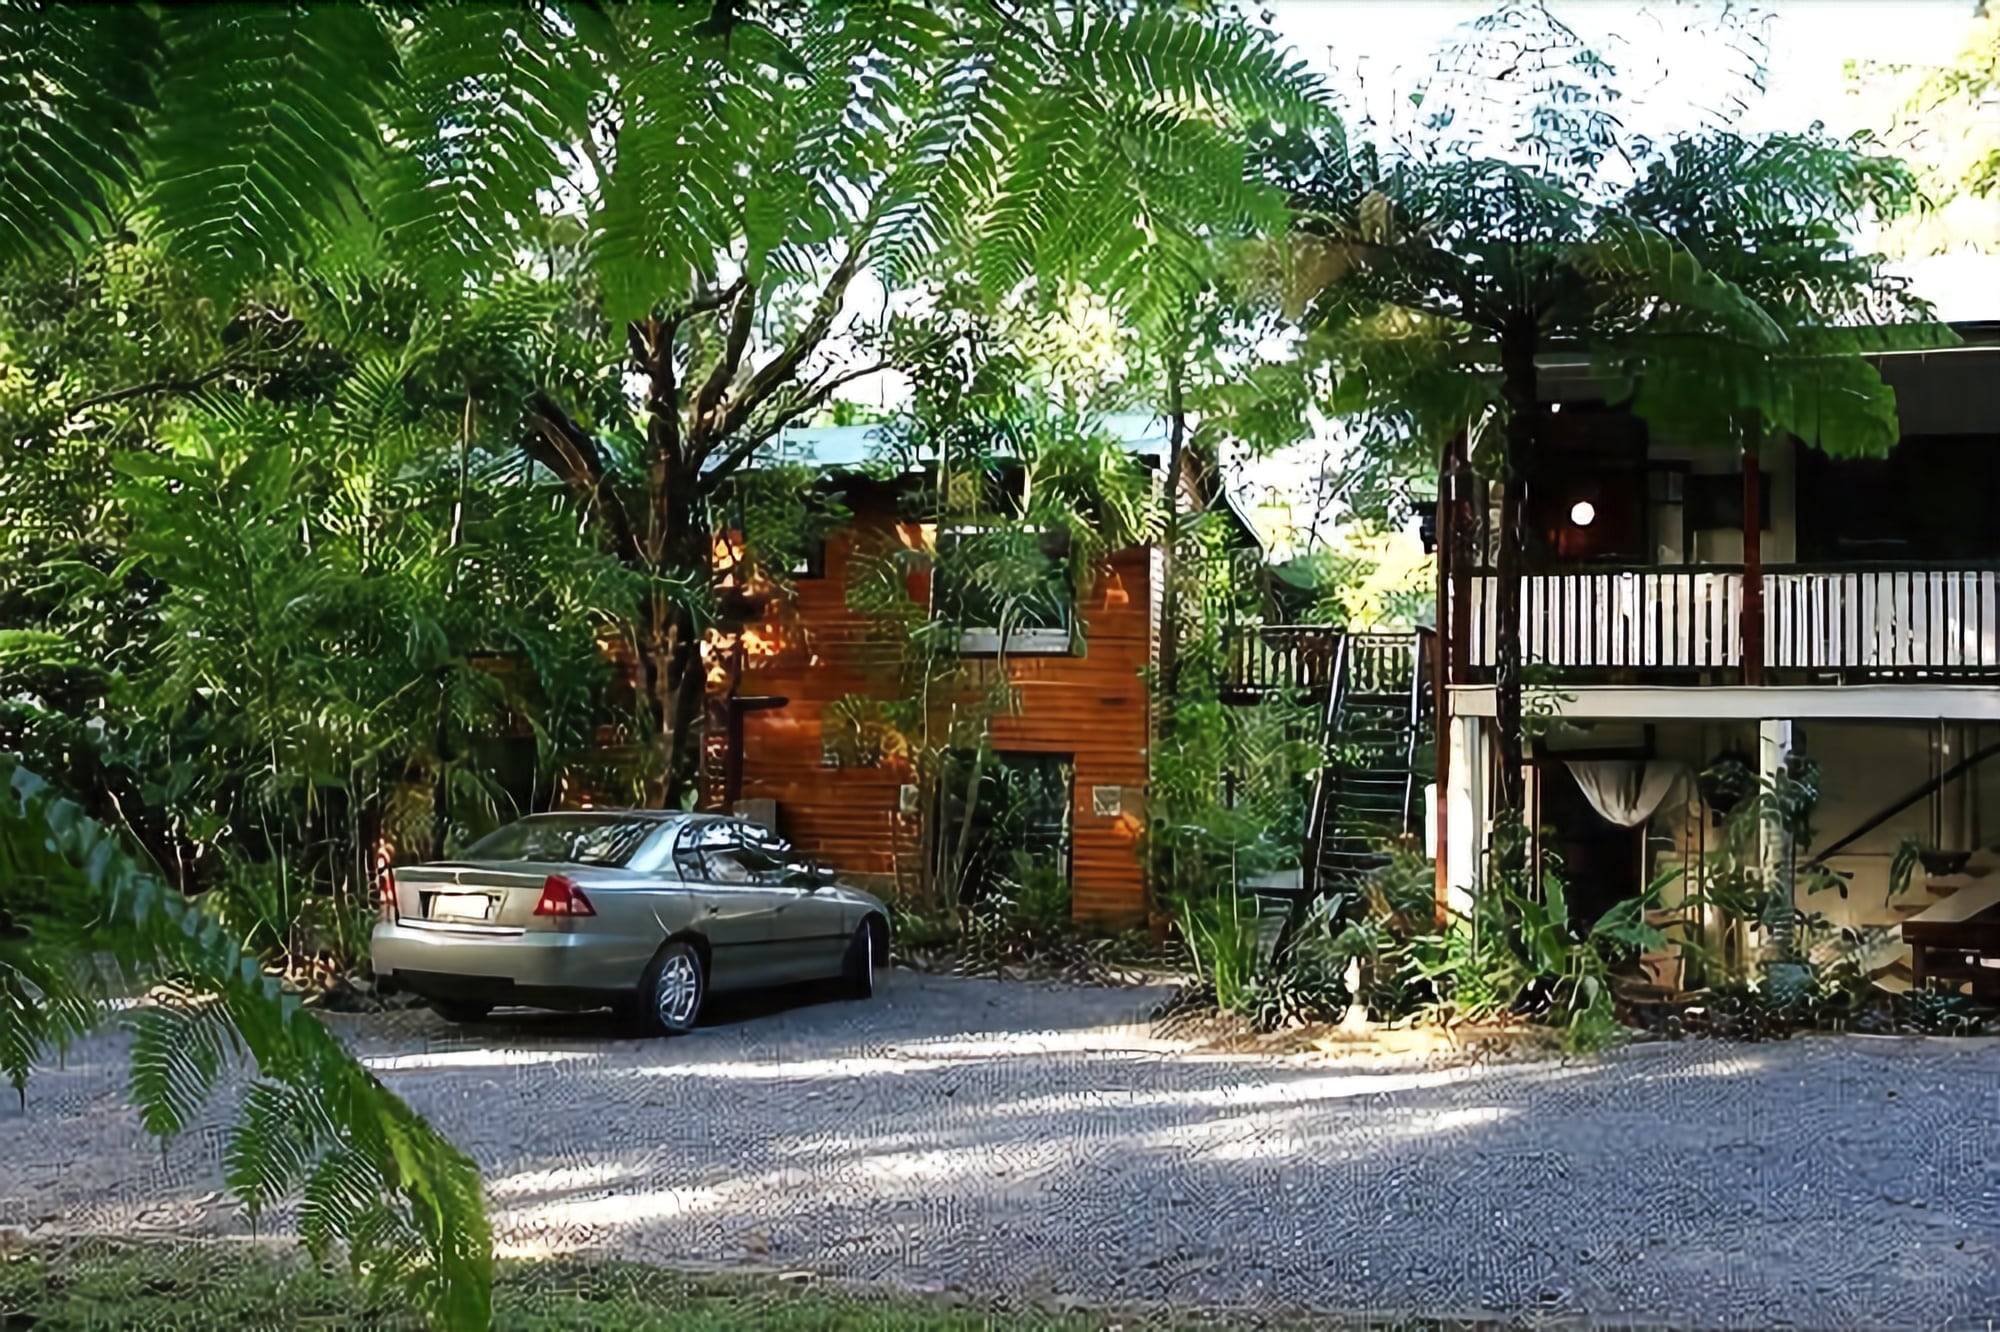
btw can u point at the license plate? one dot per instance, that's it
(465, 906)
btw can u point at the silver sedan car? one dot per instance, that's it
(647, 912)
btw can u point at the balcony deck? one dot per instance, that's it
(1301, 659)
(1821, 625)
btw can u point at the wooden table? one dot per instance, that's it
(1953, 950)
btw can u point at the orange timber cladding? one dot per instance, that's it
(812, 649)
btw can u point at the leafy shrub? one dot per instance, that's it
(1219, 932)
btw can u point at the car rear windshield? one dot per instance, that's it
(574, 839)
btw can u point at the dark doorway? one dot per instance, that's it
(1015, 836)
(1600, 860)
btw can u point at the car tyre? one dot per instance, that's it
(459, 1011)
(858, 971)
(674, 989)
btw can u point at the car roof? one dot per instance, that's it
(636, 815)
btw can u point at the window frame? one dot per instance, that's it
(1023, 641)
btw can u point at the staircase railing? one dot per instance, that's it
(1378, 667)
(1325, 779)
(1896, 807)
(1269, 658)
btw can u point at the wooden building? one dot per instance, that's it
(1682, 604)
(1079, 726)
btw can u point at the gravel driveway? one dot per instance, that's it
(1035, 1141)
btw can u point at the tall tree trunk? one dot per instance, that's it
(676, 689)
(1518, 388)
(1167, 661)
(676, 541)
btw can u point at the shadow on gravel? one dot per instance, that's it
(728, 1010)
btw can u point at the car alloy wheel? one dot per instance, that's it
(676, 989)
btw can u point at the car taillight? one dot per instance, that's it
(560, 897)
(387, 904)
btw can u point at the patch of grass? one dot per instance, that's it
(107, 1285)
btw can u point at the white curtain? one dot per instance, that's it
(1625, 791)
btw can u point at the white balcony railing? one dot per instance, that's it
(1866, 621)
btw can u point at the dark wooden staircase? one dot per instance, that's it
(1367, 793)
(1372, 725)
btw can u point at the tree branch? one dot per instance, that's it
(741, 317)
(567, 450)
(157, 386)
(781, 368)
(810, 401)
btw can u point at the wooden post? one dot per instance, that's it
(1448, 650)
(1753, 569)
(1458, 558)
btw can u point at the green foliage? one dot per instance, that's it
(1305, 981)
(266, 114)
(1220, 934)
(1942, 122)
(74, 87)
(84, 923)
(1752, 872)
(288, 580)
(713, 185)
(1037, 142)
(1228, 778)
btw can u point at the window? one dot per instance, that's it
(1715, 502)
(566, 839)
(993, 579)
(726, 852)
(811, 561)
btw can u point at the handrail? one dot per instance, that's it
(1934, 784)
(1419, 688)
(1316, 814)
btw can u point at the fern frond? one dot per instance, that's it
(1629, 263)
(68, 884)
(493, 101)
(673, 197)
(267, 113)
(74, 84)
(181, 1044)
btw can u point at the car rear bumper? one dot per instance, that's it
(427, 960)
